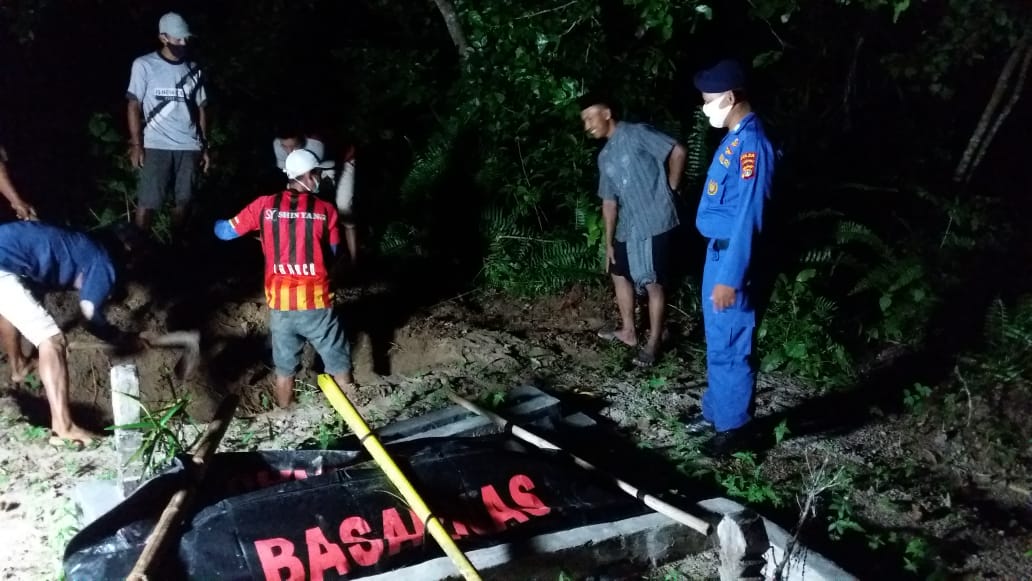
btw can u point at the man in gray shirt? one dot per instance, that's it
(167, 122)
(639, 170)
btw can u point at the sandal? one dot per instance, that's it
(644, 359)
(67, 443)
(82, 440)
(611, 336)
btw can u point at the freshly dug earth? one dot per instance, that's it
(975, 513)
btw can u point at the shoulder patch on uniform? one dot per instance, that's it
(748, 164)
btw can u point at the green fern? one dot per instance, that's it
(398, 239)
(819, 256)
(852, 232)
(500, 222)
(429, 166)
(1008, 352)
(696, 160)
(890, 277)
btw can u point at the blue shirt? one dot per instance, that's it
(737, 186)
(632, 171)
(55, 257)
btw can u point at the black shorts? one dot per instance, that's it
(161, 168)
(661, 249)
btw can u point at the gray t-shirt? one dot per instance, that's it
(170, 94)
(632, 171)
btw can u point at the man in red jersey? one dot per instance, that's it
(299, 234)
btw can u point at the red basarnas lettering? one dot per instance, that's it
(365, 552)
(276, 555)
(395, 532)
(323, 554)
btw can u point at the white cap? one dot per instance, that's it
(319, 150)
(300, 162)
(173, 25)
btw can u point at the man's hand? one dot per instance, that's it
(723, 296)
(205, 161)
(610, 257)
(24, 211)
(136, 155)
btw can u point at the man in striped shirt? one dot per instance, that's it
(639, 171)
(298, 235)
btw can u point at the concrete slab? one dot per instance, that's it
(526, 405)
(649, 540)
(96, 497)
(805, 565)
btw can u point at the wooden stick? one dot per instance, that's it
(186, 339)
(664, 508)
(167, 525)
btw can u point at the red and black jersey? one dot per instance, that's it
(297, 231)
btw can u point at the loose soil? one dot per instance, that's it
(974, 510)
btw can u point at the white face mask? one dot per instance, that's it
(717, 114)
(314, 190)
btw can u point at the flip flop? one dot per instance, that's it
(67, 443)
(610, 335)
(74, 443)
(644, 359)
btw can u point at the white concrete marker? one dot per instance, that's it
(125, 404)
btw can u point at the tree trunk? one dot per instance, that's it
(451, 20)
(1019, 86)
(963, 168)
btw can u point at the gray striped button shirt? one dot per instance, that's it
(632, 171)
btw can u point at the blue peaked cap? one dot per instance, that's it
(723, 76)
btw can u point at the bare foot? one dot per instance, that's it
(279, 413)
(18, 375)
(350, 390)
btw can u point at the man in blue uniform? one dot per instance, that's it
(54, 258)
(730, 217)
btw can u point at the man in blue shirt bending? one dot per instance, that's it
(737, 187)
(53, 258)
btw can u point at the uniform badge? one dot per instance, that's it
(734, 143)
(727, 151)
(724, 161)
(711, 188)
(748, 165)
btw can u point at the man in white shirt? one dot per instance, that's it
(342, 182)
(167, 122)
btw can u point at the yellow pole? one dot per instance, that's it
(354, 420)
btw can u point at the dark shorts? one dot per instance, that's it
(162, 168)
(320, 327)
(660, 246)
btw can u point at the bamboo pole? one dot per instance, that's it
(365, 435)
(693, 522)
(171, 517)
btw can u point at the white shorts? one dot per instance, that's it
(18, 306)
